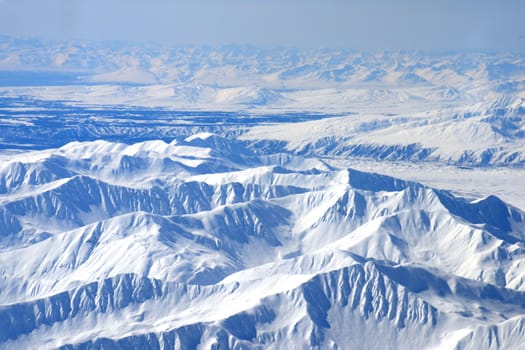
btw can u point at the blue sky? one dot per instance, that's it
(371, 24)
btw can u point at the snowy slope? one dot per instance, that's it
(200, 243)
(483, 134)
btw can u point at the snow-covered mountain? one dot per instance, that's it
(464, 109)
(235, 198)
(202, 243)
(492, 135)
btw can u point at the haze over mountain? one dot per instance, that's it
(456, 108)
(372, 25)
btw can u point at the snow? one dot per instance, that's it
(246, 248)
(246, 198)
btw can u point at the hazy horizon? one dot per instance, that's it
(375, 25)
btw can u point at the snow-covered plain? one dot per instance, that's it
(241, 198)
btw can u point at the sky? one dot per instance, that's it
(371, 24)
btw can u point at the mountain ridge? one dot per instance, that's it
(247, 255)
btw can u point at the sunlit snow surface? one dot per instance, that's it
(243, 198)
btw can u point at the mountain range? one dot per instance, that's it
(244, 198)
(200, 242)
